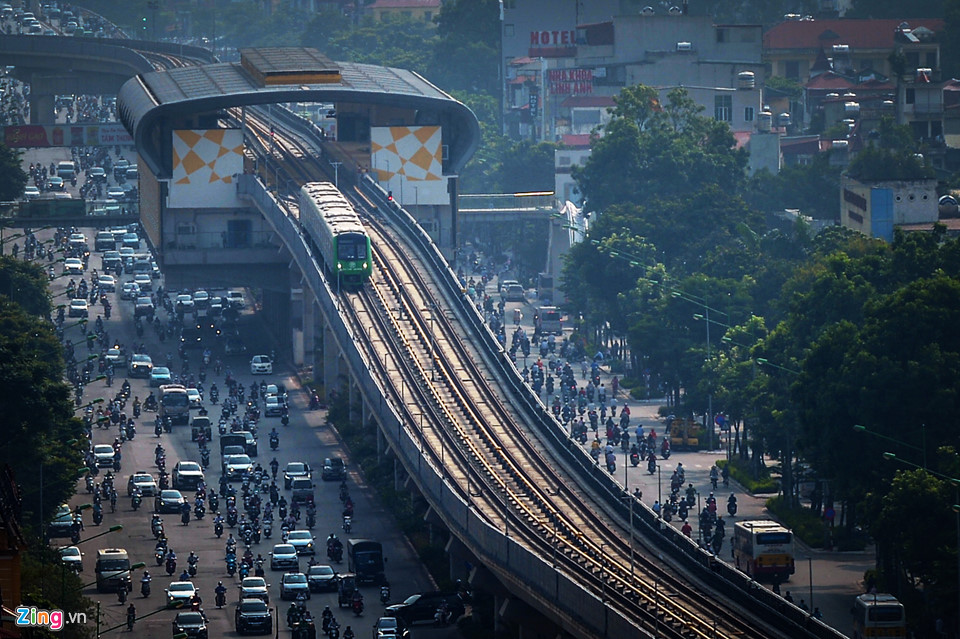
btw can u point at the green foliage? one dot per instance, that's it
(896, 9)
(24, 283)
(14, 178)
(804, 523)
(466, 56)
(46, 585)
(786, 86)
(741, 472)
(893, 157)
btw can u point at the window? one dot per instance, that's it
(792, 69)
(508, 31)
(722, 107)
(911, 96)
(931, 59)
(748, 114)
(721, 35)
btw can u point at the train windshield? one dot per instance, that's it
(352, 247)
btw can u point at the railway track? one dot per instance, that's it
(496, 465)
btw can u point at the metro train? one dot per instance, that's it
(337, 235)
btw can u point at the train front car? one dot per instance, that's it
(337, 234)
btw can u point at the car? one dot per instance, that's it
(301, 490)
(168, 501)
(235, 299)
(333, 469)
(31, 193)
(62, 523)
(279, 390)
(96, 174)
(110, 260)
(127, 252)
(261, 365)
(129, 291)
(272, 407)
(185, 303)
(77, 241)
(390, 628)
(193, 396)
(233, 450)
(114, 356)
(55, 183)
(140, 365)
(160, 375)
(189, 623)
(293, 584)
(144, 281)
(322, 578)
(423, 607)
(154, 270)
(302, 540)
(236, 466)
(284, 556)
(255, 588)
(215, 309)
(141, 266)
(104, 455)
(144, 481)
(253, 616)
(72, 266)
(107, 284)
(234, 346)
(115, 192)
(294, 470)
(78, 308)
(143, 307)
(71, 558)
(201, 299)
(187, 475)
(179, 593)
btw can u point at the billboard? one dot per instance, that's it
(41, 135)
(408, 160)
(206, 163)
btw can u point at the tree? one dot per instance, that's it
(26, 284)
(465, 55)
(814, 189)
(14, 178)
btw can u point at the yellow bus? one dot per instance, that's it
(763, 548)
(879, 615)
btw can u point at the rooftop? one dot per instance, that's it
(858, 34)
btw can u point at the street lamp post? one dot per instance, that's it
(659, 496)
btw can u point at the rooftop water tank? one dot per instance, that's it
(764, 121)
(783, 119)
(840, 145)
(746, 80)
(948, 206)
(840, 49)
(833, 96)
(851, 108)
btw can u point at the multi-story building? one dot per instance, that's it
(876, 207)
(418, 10)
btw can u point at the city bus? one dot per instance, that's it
(174, 404)
(763, 548)
(879, 615)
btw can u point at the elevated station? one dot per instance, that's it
(189, 125)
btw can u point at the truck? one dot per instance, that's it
(113, 569)
(201, 424)
(549, 320)
(365, 559)
(174, 404)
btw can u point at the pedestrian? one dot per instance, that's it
(788, 597)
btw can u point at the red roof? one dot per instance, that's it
(859, 34)
(578, 140)
(580, 101)
(829, 80)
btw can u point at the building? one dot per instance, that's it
(418, 10)
(855, 47)
(576, 149)
(875, 207)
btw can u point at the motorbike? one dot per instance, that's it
(232, 517)
(160, 554)
(199, 511)
(634, 459)
(268, 530)
(158, 429)
(192, 569)
(97, 516)
(171, 565)
(357, 607)
(231, 565)
(185, 517)
(244, 571)
(651, 467)
(122, 593)
(135, 501)
(145, 588)
(214, 396)
(221, 598)
(347, 524)
(258, 571)
(274, 442)
(89, 483)
(732, 506)
(205, 458)
(218, 529)
(384, 594)
(131, 430)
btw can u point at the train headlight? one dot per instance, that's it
(364, 265)
(339, 266)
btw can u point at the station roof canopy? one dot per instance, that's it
(287, 74)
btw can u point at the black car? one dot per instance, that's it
(191, 624)
(322, 578)
(253, 616)
(333, 469)
(423, 607)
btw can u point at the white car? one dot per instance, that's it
(73, 266)
(129, 291)
(180, 592)
(103, 454)
(185, 302)
(302, 540)
(255, 588)
(284, 556)
(72, 558)
(144, 281)
(272, 406)
(115, 192)
(236, 466)
(107, 284)
(78, 308)
(114, 356)
(193, 396)
(201, 299)
(261, 365)
(145, 482)
(235, 298)
(31, 193)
